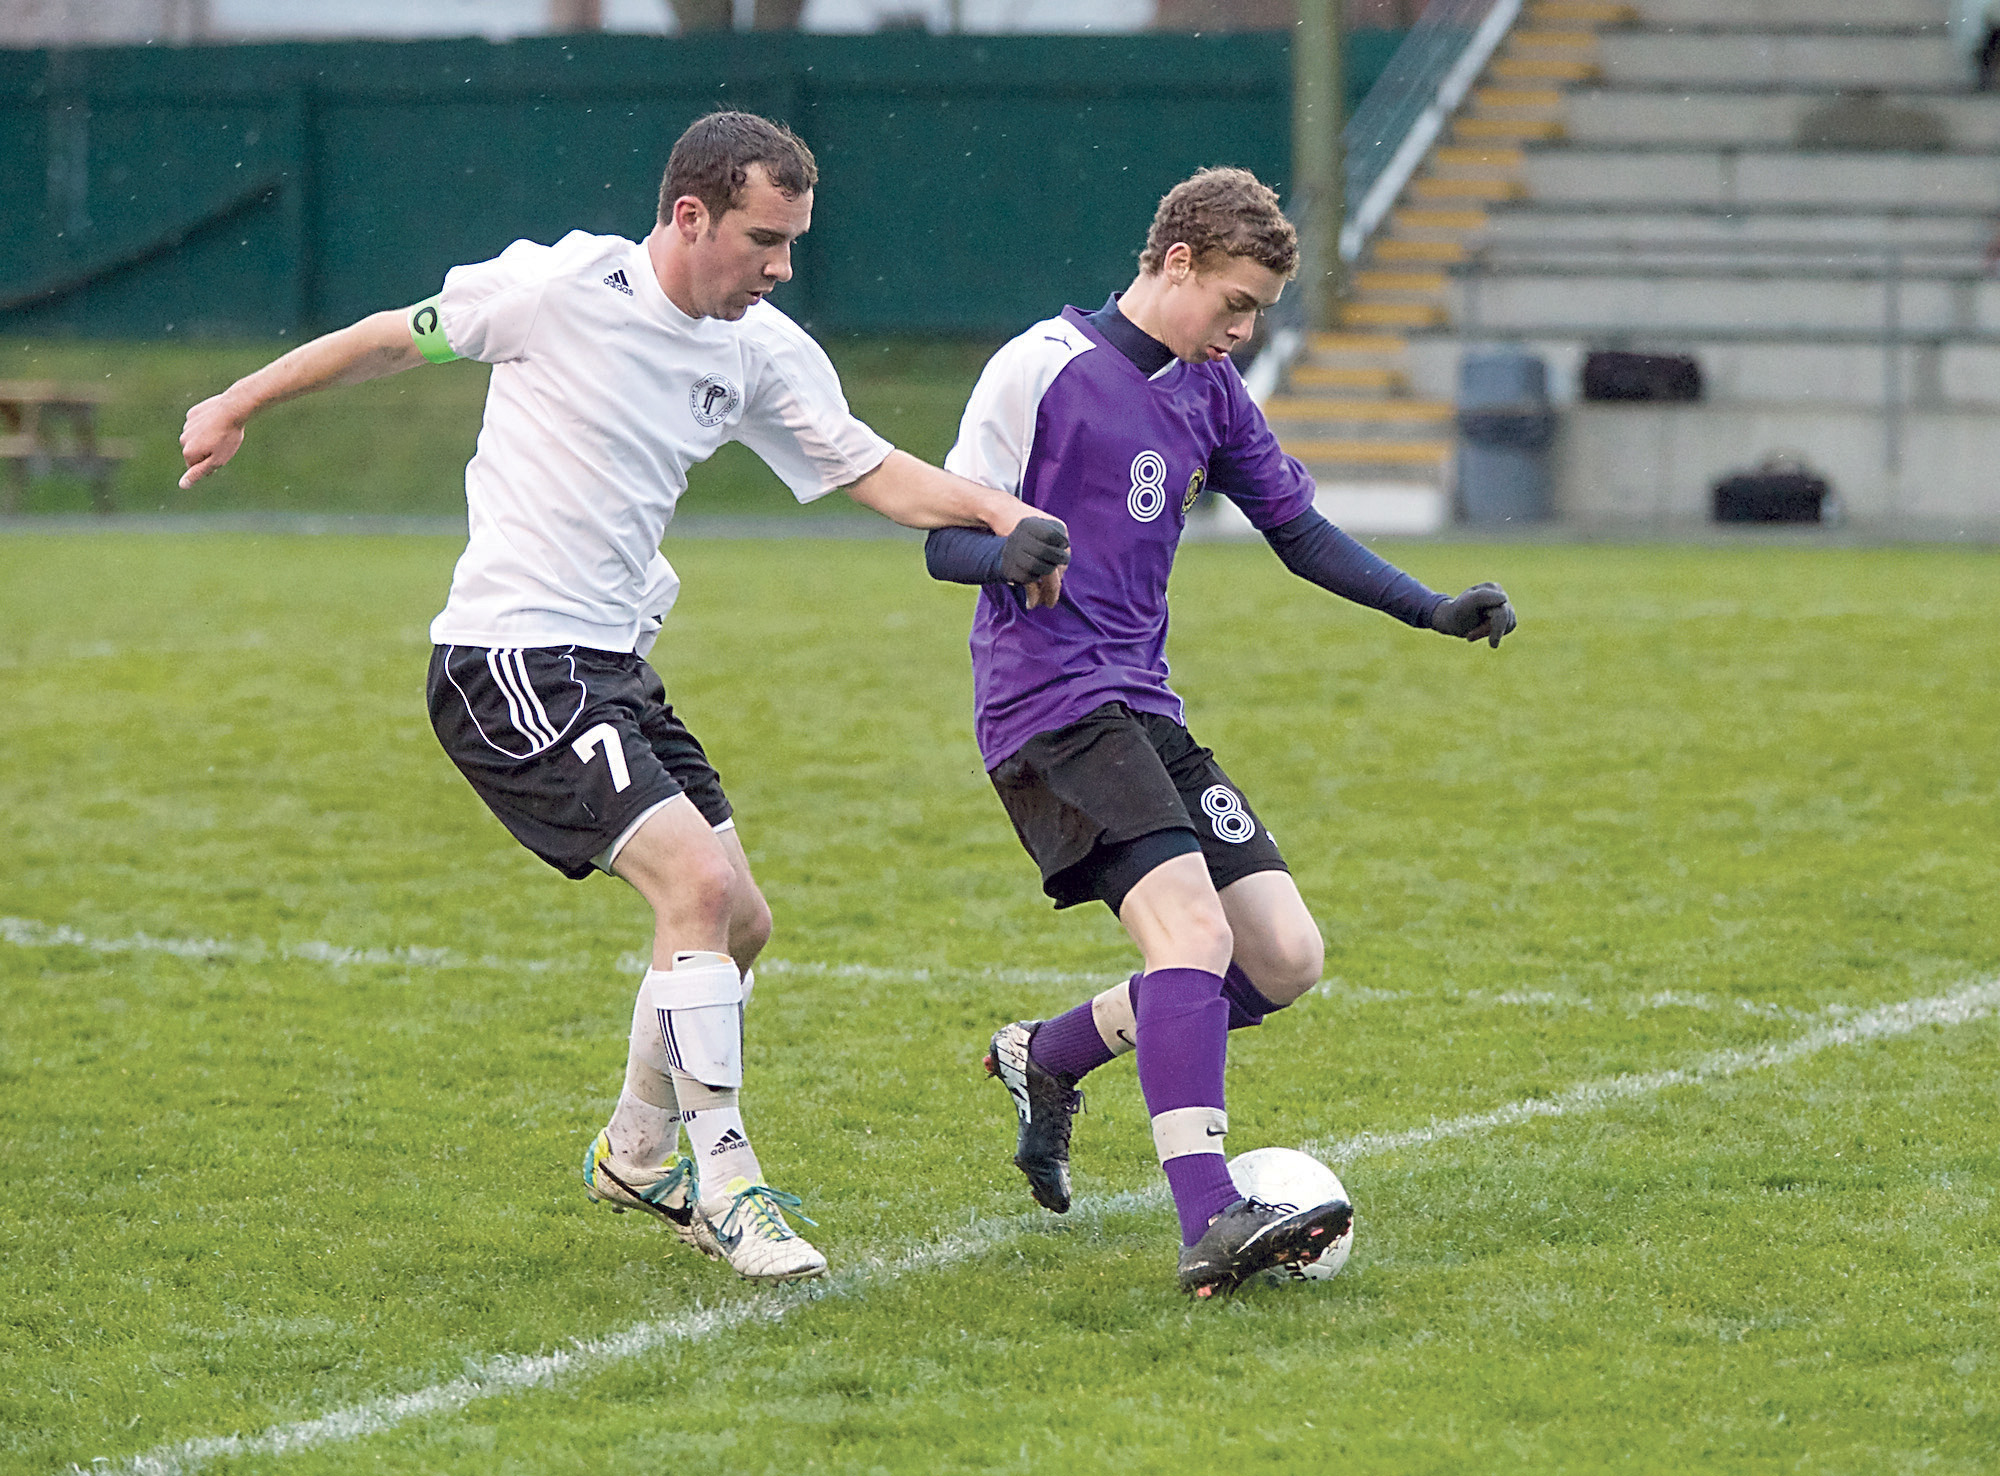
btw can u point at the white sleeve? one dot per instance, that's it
(488, 308)
(797, 421)
(997, 430)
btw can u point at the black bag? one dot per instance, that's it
(1613, 374)
(1777, 492)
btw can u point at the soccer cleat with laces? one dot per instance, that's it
(1252, 1236)
(666, 1191)
(1046, 1108)
(748, 1223)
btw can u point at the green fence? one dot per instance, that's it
(967, 182)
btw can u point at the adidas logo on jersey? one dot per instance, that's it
(729, 1142)
(617, 280)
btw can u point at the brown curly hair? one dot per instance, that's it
(1222, 212)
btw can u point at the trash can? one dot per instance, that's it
(1505, 427)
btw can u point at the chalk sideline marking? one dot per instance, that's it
(24, 933)
(510, 1373)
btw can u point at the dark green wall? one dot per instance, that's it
(968, 184)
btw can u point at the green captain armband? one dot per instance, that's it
(427, 332)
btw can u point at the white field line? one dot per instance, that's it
(25, 933)
(509, 1373)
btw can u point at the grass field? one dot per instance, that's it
(398, 447)
(301, 1052)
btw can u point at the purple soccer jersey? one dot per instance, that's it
(1073, 426)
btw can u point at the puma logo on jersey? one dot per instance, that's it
(617, 280)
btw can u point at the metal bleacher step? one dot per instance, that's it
(1516, 99)
(1392, 315)
(1477, 156)
(1507, 130)
(1544, 69)
(1582, 13)
(1374, 279)
(1438, 188)
(1556, 42)
(1417, 218)
(1402, 252)
(1429, 454)
(1357, 343)
(1381, 379)
(1398, 411)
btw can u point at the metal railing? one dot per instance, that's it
(1407, 109)
(1385, 142)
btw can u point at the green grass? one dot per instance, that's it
(398, 447)
(1705, 800)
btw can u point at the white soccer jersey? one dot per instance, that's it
(603, 395)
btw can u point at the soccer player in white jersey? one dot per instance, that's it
(617, 365)
(1114, 421)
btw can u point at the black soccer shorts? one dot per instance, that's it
(568, 746)
(1102, 801)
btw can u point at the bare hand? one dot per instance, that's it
(1044, 592)
(211, 436)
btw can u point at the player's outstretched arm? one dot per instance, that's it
(377, 345)
(919, 495)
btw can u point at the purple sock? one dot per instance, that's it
(1246, 1005)
(1202, 1190)
(1183, 1048)
(1069, 1045)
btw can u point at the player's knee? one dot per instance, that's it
(749, 923)
(1293, 965)
(702, 889)
(1202, 933)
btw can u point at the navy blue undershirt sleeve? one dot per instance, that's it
(964, 555)
(1317, 551)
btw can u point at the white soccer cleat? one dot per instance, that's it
(749, 1225)
(666, 1191)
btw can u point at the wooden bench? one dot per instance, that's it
(46, 428)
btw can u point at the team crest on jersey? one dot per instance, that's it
(1195, 484)
(713, 399)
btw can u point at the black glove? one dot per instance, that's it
(1481, 613)
(1037, 546)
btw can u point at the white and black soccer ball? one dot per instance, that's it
(1285, 1176)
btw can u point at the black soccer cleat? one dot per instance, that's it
(1252, 1236)
(1045, 1105)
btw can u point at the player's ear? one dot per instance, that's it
(690, 218)
(1178, 264)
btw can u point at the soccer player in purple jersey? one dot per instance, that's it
(1114, 421)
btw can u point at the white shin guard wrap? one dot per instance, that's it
(1187, 1130)
(699, 1004)
(1117, 1025)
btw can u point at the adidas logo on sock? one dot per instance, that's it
(729, 1142)
(617, 280)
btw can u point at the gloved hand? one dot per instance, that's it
(1037, 547)
(1481, 613)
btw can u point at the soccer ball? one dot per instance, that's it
(1289, 1177)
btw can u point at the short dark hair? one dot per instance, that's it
(1223, 212)
(712, 162)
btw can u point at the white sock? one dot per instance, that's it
(645, 1127)
(716, 1135)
